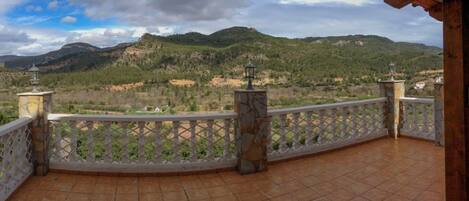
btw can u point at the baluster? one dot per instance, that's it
(227, 126)
(433, 120)
(17, 147)
(345, 122)
(108, 143)
(283, 137)
(57, 134)
(158, 142)
(420, 118)
(7, 155)
(54, 151)
(322, 126)
(125, 143)
(334, 123)
(141, 142)
(193, 125)
(177, 155)
(344, 127)
(379, 117)
(407, 116)
(296, 130)
(28, 148)
(74, 141)
(210, 152)
(3, 164)
(373, 109)
(90, 138)
(16, 150)
(424, 117)
(415, 122)
(309, 128)
(365, 119)
(23, 143)
(269, 138)
(357, 121)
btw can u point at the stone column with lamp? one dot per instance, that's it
(252, 126)
(393, 90)
(37, 105)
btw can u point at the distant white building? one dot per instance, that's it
(419, 85)
(158, 110)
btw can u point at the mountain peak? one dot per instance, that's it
(80, 45)
(236, 30)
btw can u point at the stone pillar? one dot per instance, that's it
(439, 114)
(37, 105)
(393, 90)
(252, 130)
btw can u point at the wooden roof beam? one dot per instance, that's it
(398, 3)
(427, 4)
(433, 7)
(436, 11)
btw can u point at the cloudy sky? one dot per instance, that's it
(29, 27)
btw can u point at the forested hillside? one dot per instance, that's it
(303, 61)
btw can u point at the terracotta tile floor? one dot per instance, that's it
(380, 170)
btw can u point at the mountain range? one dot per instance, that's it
(230, 48)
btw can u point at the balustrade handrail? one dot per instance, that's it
(417, 100)
(417, 118)
(312, 129)
(16, 163)
(325, 106)
(141, 118)
(14, 125)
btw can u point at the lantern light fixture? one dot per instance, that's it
(250, 74)
(392, 70)
(34, 78)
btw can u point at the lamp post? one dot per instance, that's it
(249, 74)
(252, 125)
(34, 78)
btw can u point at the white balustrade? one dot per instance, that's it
(312, 129)
(107, 143)
(178, 143)
(417, 119)
(15, 156)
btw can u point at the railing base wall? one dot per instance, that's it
(140, 174)
(143, 169)
(410, 136)
(324, 148)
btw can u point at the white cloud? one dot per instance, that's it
(53, 4)
(34, 41)
(163, 12)
(31, 8)
(68, 20)
(106, 37)
(6, 5)
(30, 20)
(313, 2)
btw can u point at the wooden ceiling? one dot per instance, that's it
(433, 7)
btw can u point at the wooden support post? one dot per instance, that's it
(252, 130)
(37, 106)
(456, 114)
(393, 90)
(438, 109)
